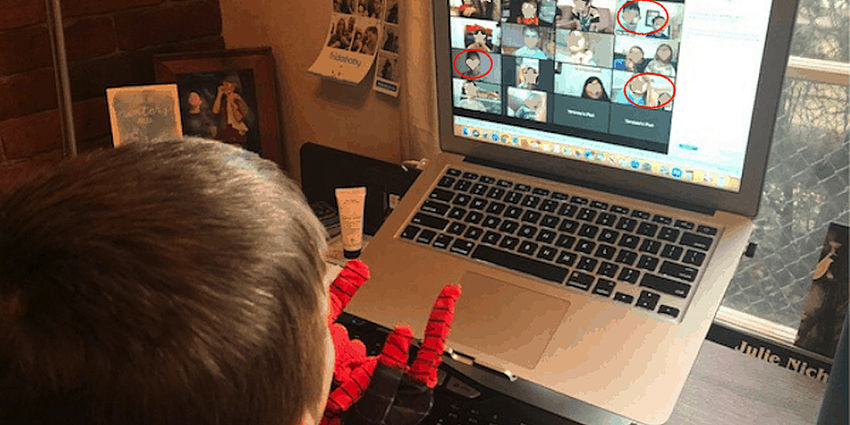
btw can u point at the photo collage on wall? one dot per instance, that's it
(604, 67)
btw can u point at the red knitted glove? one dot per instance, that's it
(353, 370)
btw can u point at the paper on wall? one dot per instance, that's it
(355, 31)
(387, 67)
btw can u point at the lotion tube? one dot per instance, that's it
(351, 203)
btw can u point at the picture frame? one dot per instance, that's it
(228, 95)
(143, 113)
(650, 16)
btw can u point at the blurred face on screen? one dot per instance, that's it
(594, 89)
(531, 38)
(635, 55)
(480, 37)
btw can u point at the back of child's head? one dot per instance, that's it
(176, 282)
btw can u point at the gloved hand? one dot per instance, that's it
(383, 389)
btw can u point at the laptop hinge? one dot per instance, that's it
(591, 185)
(470, 361)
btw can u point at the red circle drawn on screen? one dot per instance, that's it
(454, 64)
(626, 87)
(666, 13)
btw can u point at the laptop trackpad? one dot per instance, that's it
(504, 320)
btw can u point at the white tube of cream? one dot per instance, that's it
(351, 203)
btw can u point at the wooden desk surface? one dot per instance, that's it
(726, 387)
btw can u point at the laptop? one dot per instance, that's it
(600, 166)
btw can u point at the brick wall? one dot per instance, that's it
(109, 43)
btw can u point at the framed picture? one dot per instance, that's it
(650, 16)
(227, 95)
(143, 113)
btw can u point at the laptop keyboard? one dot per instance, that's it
(633, 257)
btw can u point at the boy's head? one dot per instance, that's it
(532, 38)
(168, 283)
(631, 12)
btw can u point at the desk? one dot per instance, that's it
(724, 387)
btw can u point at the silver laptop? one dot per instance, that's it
(601, 164)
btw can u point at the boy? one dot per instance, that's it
(177, 282)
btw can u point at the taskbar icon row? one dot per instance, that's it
(648, 166)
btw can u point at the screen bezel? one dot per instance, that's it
(744, 202)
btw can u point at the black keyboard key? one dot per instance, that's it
(588, 231)
(522, 188)
(608, 236)
(629, 241)
(648, 300)
(410, 232)
(446, 181)
(629, 275)
(462, 199)
(487, 180)
(496, 193)
(578, 200)
(462, 185)
(504, 183)
(491, 222)
(619, 209)
(586, 214)
(491, 237)
(442, 241)
(441, 195)
(626, 257)
(623, 298)
(604, 287)
(539, 191)
(587, 264)
(527, 231)
(512, 261)
(530, 201)
(580, 280)
(474, 217)
(513, 197)
(478, 204)
(694, 257)
(667, 286)
(668, 234)
(509, 227)
(547, 253)
(707, 230)
(457, 213)
(549, 206)
(605, 251)
(462, 247)
(566, 258)
(479, 189)
(627, 224)
(495, 208)
(509, 242)
(453, 172)
(531, 216)
(568, 226)
(585, 246)
(599, 205)
(550, 221)
(682, 224)
(647, 229)
(662, 219)
(426, 236)
(670, 311)
(678, 271)
(546, 236)
(565, 241)
(608, 269)
(513, 212)
(470, 175)
(560, 196)
(695, 241)
(456, 228)
(643, 215)
(431, 221)
(567, 210)
(606, 219)
(473, 233)
(435, 207)
(527, 248)
(650, 246)
(672, 252)
(647, 263)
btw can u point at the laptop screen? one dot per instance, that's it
(659, 87)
